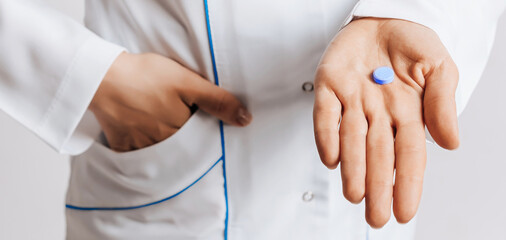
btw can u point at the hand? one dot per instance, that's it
(374, 115)
(145, 98)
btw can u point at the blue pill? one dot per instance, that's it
(383, 75)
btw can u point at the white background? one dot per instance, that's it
(464, 195)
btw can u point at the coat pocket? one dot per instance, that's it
(104, 178)
(170, 181)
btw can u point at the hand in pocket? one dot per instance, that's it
(145, 98)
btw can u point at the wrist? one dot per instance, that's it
(114, 73)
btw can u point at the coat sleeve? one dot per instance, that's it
(50, 68)
(466, 27)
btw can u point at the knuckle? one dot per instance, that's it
(381, 152)
(417, 71)
(382, 183)
(353, 133)
(220, 105)
(378, 117)
(410, 122)
(411, 179)
(411, 149)
(433, 102)
(325, 134)
(322, 109)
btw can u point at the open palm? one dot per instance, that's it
(372, 129)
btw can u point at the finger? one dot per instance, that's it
(116, 137)
(215, 100)
(164, 131)
(410, 157)
(326, 114)
(140, 140)
(380, 172)
(119, 144)
(440, 109)
(352, 133)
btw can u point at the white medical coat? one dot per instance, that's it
(209, 180)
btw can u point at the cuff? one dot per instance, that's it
(81, 81)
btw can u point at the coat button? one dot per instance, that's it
(307, 196)
(308, 87)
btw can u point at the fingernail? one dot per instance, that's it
(243, 117)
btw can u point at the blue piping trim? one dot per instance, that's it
(225, 180)
(222, 135)
(144, 205)
(211, 46)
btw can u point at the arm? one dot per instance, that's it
(50, 68)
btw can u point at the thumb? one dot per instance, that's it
(440, 111)
(215, 101)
